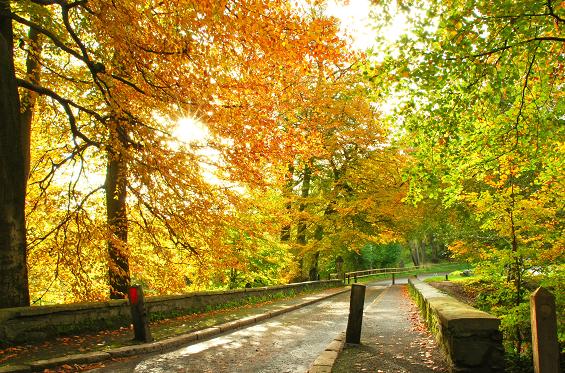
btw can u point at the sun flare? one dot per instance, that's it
(191, 130)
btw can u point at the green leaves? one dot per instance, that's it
(484, 120)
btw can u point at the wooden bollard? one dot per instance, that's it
(139, 314)
(446, 277)
(353, 332)
(393, 278)
(545, 347)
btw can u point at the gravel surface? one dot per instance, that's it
(393, 339)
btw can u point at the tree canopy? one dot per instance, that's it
(300, 152)
(482, 112)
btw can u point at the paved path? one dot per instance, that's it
(392, 339)
(286, 343)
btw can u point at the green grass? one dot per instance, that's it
(455, 276)
(443, 267)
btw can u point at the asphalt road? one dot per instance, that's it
(286, 343)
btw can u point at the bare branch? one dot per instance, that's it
(160, 217)
(49, 34)
(67, 107)
(47, 92)
(67, 217)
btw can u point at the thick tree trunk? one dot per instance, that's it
(116, 210)
(14, 289)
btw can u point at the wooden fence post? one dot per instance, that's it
(353, 332)
(139, 314)
(544, 332)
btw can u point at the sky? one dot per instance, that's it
(356, 22)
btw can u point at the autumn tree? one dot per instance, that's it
(115, 78)
(483, 111)
(343, 196)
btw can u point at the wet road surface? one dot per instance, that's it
(286, 343)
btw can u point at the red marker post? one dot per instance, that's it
(139, 314)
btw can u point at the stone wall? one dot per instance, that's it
(470, 338)
(22, 324)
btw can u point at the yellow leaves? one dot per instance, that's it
(556, 253)
(471, 251)
(459, 249)
(269, 80)
(389, 235)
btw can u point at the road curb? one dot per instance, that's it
(162, 345)
(326, 360)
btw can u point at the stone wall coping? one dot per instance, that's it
(453, 313)
(470, 338)
(9, 313)
(16, 312)
(35, 322)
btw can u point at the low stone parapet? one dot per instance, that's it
(24, 324)
(470, 338)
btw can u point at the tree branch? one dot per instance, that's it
(128, 83)
(66, 104)
(47, 92)
(552, 11)
(49, 34)
(95, 68)
(506, 47)
(523, 98)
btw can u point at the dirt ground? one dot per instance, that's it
(456, 290)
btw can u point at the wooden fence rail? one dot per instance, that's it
(376, 271)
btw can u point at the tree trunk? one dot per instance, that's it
(414, 254)
(33, 75)
(287, 193)
(422, 246)
(14, 288)
(305, 191)
(516, 269)
(116, 210)
(314, 270)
